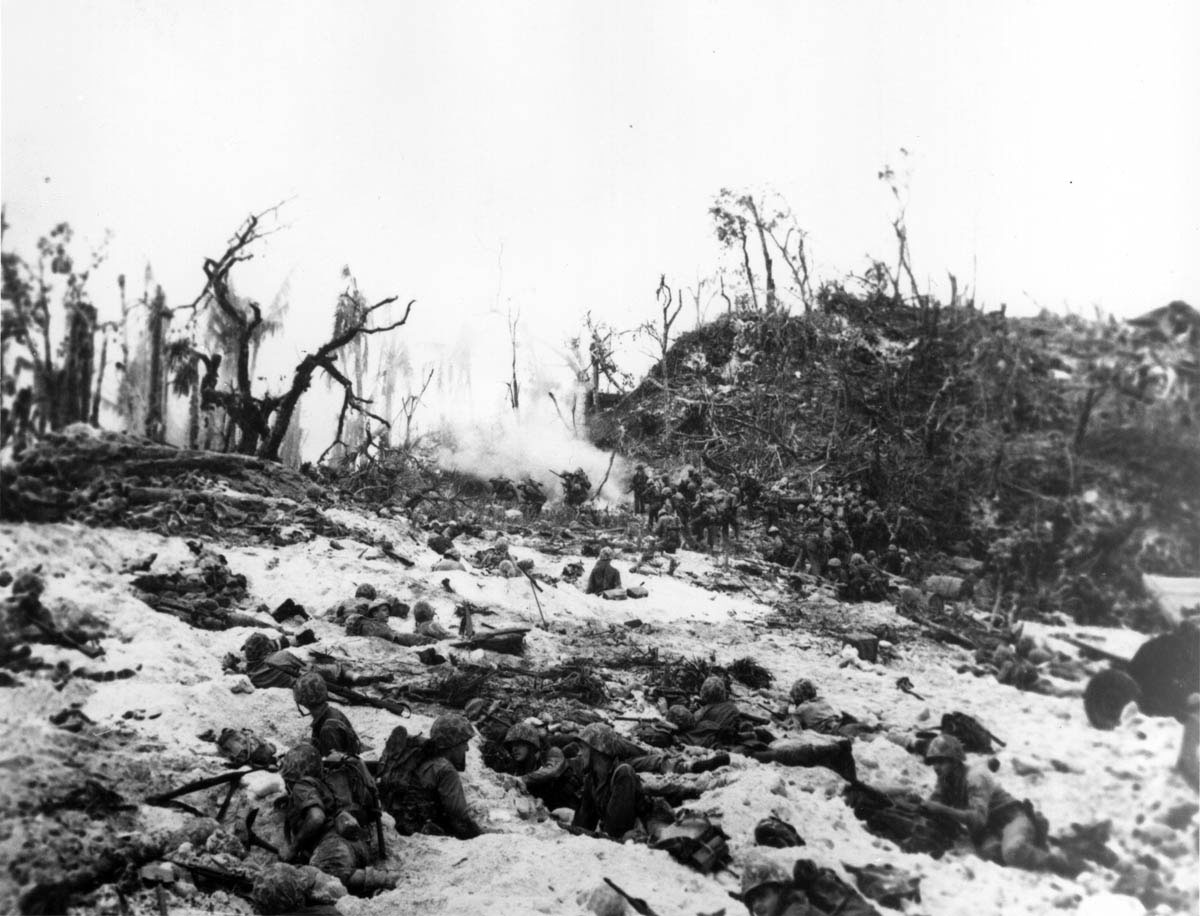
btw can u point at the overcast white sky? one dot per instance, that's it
(560, 155)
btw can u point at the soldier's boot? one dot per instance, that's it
(714, 762)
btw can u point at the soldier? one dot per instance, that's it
(310, 803)
(637, 486)
(603, 575)
(344, 853)
(543, 769)
(425, 622)
(720, 721)
(420, 782)
(533, 497)
(612, 792)
(503, 489)
(1004, 829)
(362, 625)
(331, 730)
(768, 890)
(818, 715)
(667, 531)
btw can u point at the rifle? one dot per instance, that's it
(230, 881)
(252, 838)
(536, 588)
(164, 799)
(639, 905)
(398, 707)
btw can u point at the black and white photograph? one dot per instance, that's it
(673, 458)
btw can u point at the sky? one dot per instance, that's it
(556, 157)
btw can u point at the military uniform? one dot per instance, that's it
(332, 731)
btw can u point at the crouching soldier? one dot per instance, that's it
(603, 576)
(345, 854)
(426, 624)
(543, 769)
(612, 793)
(309, 806)
(331, 730)
(1004, 829)
(420, 783)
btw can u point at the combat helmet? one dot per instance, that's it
(310, 690)
(945, 747)
(681, 717)
(257, 647)
(422, 611)
(523, 731)
(300, 761)
(759, 873)
(280, 889)
(600, 738)
(803, 691)
(713, 690)
(450, 730)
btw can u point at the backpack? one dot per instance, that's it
(695, 841)
(974, 738)
(353, 788)
(412, 807)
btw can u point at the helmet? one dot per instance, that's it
(366, 590)
(760, 872)
(803, 690)
(422, 611)
(857, 558)
(501, 544)
(257, 647)
(606, 553)
(354, 624)
(681, 716)
(280, 889)
(600, 737)
(310, 690)
(944, 747)
(300, 761)
(475, 708)
(450, 731)
(773, 530)
(523, 731)
(713, 690)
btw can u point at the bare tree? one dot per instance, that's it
(671, 304)
(262, 420)
(513, 385)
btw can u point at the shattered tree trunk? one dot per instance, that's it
(156, 395)
(72, 394)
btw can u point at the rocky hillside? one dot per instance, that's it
(1053, 449)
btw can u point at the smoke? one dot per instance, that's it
(545, 435)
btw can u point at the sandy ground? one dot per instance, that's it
(1071, 771)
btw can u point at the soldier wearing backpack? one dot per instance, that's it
(324, 813)
(310, 805)
(331, 730)
(419, 779)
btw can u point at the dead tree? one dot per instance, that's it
(156, 401)
(62, 386)
(660, 333)
(748, 202)
(513, 386)
(262, 421)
